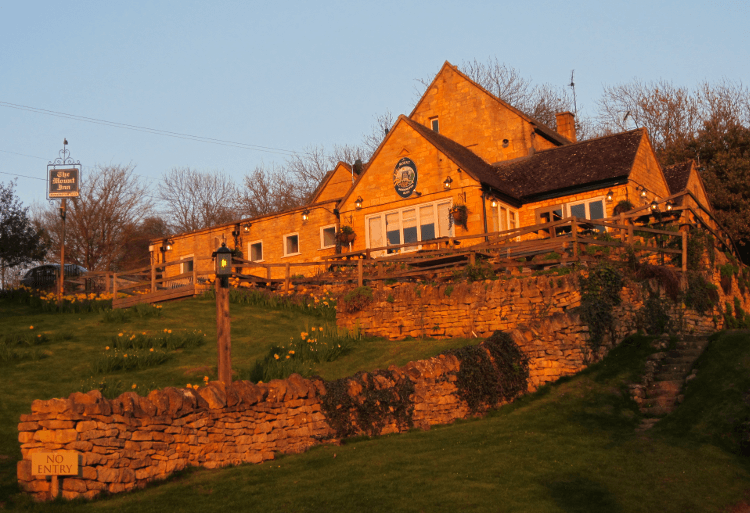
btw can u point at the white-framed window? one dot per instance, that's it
(255, 251)
(435, 124)
(291, 244)
(507, 218)
(415, 223)
(592, 208)
(328, 236)
(187, 267)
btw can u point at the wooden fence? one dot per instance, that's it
(657, 237)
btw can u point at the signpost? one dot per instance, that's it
(63, 181)
(54, 464)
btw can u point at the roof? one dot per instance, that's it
(600, 160)
(677, 176)
(539, 127)
(466, 159)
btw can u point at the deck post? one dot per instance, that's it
(359, 273)
(268, 271)
(114, 288)
(106, 283)
(472, 258)
(683, 282)
(574, 231)
(286, 278)
(153, 278)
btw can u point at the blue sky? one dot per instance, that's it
(291, 75)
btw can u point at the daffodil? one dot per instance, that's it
(276, 356)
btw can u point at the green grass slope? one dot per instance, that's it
(571, 446)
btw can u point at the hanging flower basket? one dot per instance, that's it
(346, 235)
(459, 215)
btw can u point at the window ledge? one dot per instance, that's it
(291, 255)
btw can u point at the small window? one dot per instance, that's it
(435, 125)
(327, 236)
(187, 267)
(291, 244)
(256, 251)
(550, 215)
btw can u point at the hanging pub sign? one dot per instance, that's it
(64, 183)
(405, 177)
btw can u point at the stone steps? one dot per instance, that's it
(660, 393)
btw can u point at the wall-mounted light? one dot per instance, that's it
(305, 215)
(447, 183)
(358, 202)
(654, 206)
(669, 205)
(246, 227)
(493, 202)
(643, 192)
(610, 196)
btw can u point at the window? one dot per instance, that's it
(407, 225)
(328, 236)
(589, 209)
(187, 267)
(435, 124)
(291, 244)
(255, 251)
(550, 215)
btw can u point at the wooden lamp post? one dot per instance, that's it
(223, 266)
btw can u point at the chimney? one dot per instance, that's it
(566, 125)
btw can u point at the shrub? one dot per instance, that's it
(366, 401)
(665, 276)
(494, 371)
(600, 293)
(356, 300)
(654, 317)
(700, 295)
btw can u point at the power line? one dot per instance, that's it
(136, 128)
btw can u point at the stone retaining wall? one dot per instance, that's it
(129, 441)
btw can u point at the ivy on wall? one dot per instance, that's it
(600, 293)
(494, 371)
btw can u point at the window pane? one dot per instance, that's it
(503, 219)
(292, 244)
(427, 222)
(443, 219)
(410, 225)
(329, 236)
(512, 218)
(189, 267)
(392, 229)
(578, 210)
(376, 232)
(435, 125)
(256, 252)
(596, 209)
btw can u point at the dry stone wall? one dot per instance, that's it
(129, 441)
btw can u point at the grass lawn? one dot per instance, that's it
(571, 446)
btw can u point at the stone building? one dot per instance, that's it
(460, 145)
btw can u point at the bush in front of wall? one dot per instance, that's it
(700, 295)
(363, 403)
(355, 300)
(600, 293)
(494, 371)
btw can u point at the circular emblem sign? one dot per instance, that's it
(405, 177)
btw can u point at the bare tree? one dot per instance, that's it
(670, 114)
(267, 191)
(371, 141)
(99, 222)
(195, 200)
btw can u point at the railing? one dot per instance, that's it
(541, 246)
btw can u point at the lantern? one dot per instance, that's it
(223, 260)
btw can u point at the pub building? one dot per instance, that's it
(461, 149)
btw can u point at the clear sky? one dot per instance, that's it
(290, 75)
